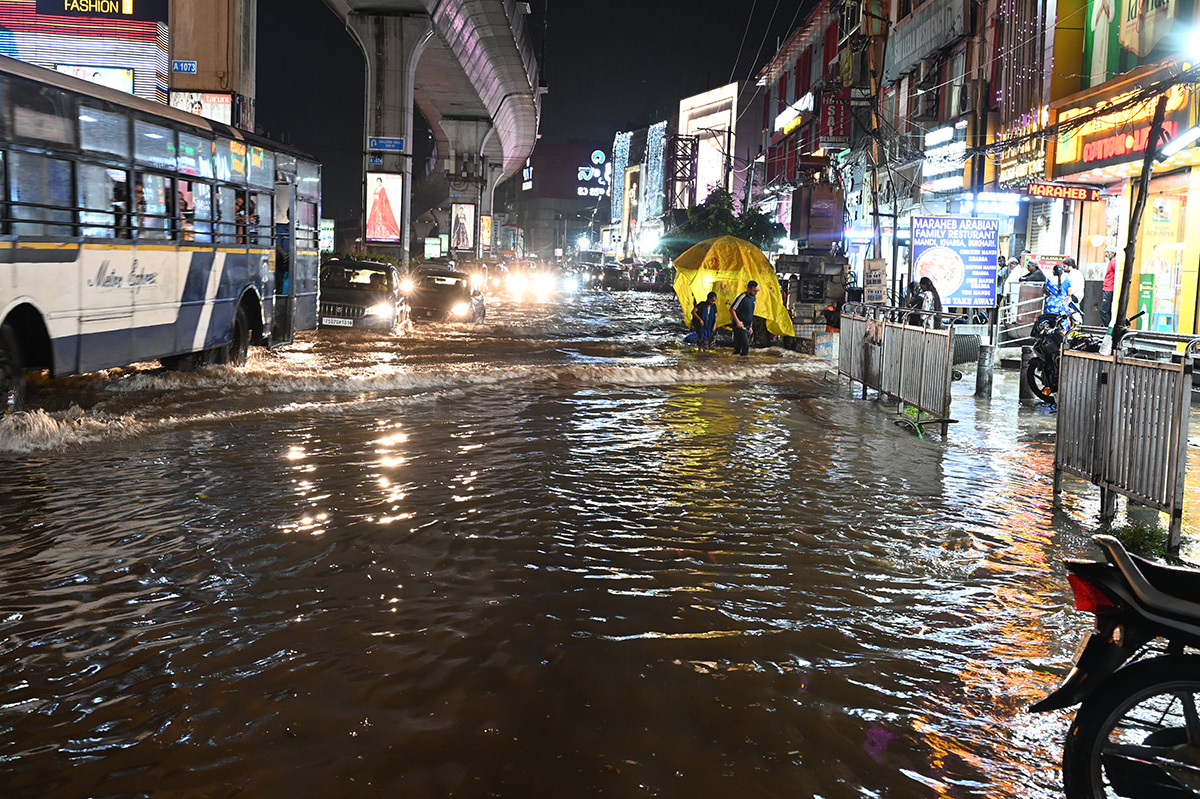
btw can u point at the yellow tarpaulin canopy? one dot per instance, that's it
(725, 265)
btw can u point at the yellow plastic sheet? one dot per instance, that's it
(725, 265)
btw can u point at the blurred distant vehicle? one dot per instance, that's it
(615, 278)
(361, 294)
(444, 295)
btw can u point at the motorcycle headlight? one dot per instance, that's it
(462, 309)
(382, 309)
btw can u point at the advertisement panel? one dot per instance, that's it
(384, 198)
(957, 253)
(1116, 138)
(117, 78)
(217, 106)
(328, 228)
(1121, 36)
(462, 226)
(835, 120)
(433, 247)
(140, 10)
(875, 281)
(485, 231)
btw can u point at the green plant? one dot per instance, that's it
(716, 217)
(1141, 539)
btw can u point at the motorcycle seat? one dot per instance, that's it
(1158, 587)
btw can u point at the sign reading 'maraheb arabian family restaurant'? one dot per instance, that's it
(141, 10)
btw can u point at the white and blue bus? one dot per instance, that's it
(131, 231)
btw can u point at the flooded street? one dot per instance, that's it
(554, 555)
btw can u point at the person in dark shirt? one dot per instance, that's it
(1034, 273)
(742, 311)
(704, 317)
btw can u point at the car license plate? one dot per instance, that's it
(333, 321)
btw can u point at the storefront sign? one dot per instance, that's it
(834, 132)
(1063, 191)
(143, 10)
(795, 115)
(1117, 138)
(875, 280)
(1025, 160)
(928, 30)
(1121, 37)
(958, 253)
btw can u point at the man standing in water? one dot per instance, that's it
(742, 311)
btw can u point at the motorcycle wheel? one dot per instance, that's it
(1040, 380)
(1148, 710)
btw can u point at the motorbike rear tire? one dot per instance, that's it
(1140, 702)
(1040, 380)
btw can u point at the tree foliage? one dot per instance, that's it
(716, 217)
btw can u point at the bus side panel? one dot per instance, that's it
(205, 274)
(105, 318)
(155, 277)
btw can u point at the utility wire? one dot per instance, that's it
(745, 33)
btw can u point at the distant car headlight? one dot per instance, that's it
(517, 284)
(462, 309)
(406, 285)
(570, 285)
(382, 309)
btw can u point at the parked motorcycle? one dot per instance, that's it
(1136, 679)
(1050, 331)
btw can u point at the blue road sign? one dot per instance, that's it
(184, 66)
(395, 144)
(375, 160)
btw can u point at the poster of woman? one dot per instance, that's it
(462, 226)
(383, 206)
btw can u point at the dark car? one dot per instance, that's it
(362, 294)
(445, 295)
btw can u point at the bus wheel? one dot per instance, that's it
(12, 373)
(239, 339)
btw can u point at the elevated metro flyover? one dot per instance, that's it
(469, 66)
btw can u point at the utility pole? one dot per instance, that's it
(1121, 327)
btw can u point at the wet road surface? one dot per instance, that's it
(554, 555)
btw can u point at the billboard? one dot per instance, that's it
(433, 247)
(711, 117)
(485, 231)
(113, 77)
(53, 33)
(328, 229)
(958, 253)
(462, 226)
(139, 10)
(217, 106)
(1121, 36)
(384, 198)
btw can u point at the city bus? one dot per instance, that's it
(131, 231)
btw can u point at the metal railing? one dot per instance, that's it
(1123, 425)
(912, 363)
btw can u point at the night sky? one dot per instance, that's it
(610, 66)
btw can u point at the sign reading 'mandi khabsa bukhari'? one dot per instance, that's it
(958, 253)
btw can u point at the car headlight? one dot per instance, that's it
(382, 309)
(462, 309)
(406, 285)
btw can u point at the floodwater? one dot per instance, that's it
(555, 555)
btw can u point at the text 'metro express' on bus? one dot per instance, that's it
(131, 231)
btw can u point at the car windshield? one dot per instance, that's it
(443, 283)
(343, 276)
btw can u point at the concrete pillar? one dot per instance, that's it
(393, 46)
(466, 166)
(220, 36)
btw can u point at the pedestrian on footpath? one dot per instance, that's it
(931, 301)
(742, 311)
(1071, 282)
(1110, 282)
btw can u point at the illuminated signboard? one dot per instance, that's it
(794, 115)
(592, 177)
(485, 231)
(217, 106)
(958, 253)
(1118, 138)
(328, 229)
(945, 156)
(462, 226)
(141, 10)
(112, 77)
(1024, 157)
(385, 196)
(1063, 191)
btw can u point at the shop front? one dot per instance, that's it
(1107, 153)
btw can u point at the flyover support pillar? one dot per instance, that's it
(467, 177)
(393, 45)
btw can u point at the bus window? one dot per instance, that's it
(195, 156)
(307, 234)
(41, 196)
(153, 145)
(103, 132)
(229, 209)
(102, 201)
(43, 114)
(195, 211)
(153, 197)
(262, 213)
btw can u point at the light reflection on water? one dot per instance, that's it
(553, 555)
